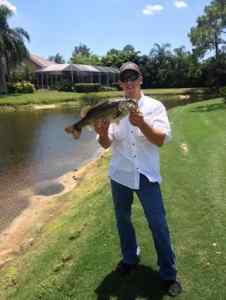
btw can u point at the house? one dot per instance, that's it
(49, 74)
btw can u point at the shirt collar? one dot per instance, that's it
(141, 100)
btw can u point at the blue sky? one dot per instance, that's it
(57, 26)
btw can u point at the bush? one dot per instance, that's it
(87, 87)
(11, 88)
(65, 86)
(108, 88)
(116, 86)
(223, 93)
(21, 87)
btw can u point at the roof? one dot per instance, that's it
(53, 68)
(40, 62)
(108, 69)
(77, 68)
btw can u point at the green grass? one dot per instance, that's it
(53, 97)
(74, 256)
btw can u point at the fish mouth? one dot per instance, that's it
(127, 105)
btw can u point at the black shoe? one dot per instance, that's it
(172, 287)
(125, 269)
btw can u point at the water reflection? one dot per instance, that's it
(33, 149)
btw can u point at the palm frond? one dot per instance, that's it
(23, 33)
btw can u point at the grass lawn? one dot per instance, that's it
(74, 256)
(50, 97)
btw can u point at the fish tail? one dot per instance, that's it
(76, 131)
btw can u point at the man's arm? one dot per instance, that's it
(154, 135)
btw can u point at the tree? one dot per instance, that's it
(83, 55)
(12, 47)
(116, 58)
(57, 58)
(81, 49)
(209, 34)
(161, 63)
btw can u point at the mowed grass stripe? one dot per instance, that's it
(195, 186)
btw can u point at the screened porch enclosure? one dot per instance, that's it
(52, 76)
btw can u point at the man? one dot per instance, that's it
(134, 167)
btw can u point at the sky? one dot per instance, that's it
(58, 26)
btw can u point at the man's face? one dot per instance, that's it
(130, 82)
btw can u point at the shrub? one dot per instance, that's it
(223, 93)
(87, 87)
(116, 86)
(108, 88)
(21, 87)
(11, 88)
(65, 86)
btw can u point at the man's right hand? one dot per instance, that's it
(101, 128)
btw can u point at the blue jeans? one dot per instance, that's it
(150, 197)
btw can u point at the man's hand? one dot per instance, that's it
(154, 135)
(101, 127)
(136, 118)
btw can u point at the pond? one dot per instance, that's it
(34, 149)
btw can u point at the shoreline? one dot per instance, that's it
(24, 229)
(43, 106)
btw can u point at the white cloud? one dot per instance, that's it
(152, 9)
(8, 4)
(180, 3)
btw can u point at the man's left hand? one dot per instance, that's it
(136, 118)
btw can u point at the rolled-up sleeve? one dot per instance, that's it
(111, 132)
(160, 120)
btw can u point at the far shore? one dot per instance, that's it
(54, 99)
(31, 107)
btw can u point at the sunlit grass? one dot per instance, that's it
(52, 97)
(74, 256)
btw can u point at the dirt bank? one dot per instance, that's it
(24, 229)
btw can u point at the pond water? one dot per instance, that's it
(34, 150)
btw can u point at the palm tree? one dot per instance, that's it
(12, 47)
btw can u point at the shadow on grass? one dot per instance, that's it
(144, 282)
(209, 107)
(5, 96)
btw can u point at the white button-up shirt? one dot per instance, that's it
(132, 153)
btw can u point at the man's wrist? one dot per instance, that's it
(103, 135)
(143, 125)
(104, 140)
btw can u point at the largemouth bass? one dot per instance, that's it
(108, 110)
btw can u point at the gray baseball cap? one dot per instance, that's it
(129, 66)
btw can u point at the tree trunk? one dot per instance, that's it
(216, 47)
(3, 86)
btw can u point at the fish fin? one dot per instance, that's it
(68, 129)
(84, 111)
(76, 133)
